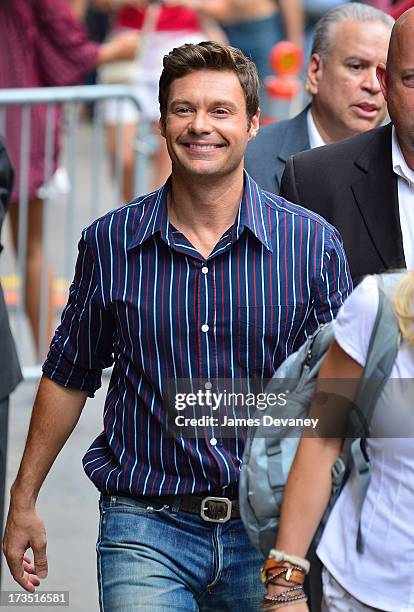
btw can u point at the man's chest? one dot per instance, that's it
(236, 314)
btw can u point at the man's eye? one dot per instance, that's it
(355, 67)
(409, 79)
(220, 111)
(183, 110)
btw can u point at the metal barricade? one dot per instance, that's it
(92, 189)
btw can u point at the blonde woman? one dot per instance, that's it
(381, 577)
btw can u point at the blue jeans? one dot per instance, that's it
(152, 559)
(256, 39)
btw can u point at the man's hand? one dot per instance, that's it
(55, 413)
(25, 529)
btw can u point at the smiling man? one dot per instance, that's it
(349, 42)
(208, 278)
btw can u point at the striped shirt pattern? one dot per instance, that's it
(144, 300)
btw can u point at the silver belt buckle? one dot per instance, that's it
(208, 502)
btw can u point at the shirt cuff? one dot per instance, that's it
(67, 374)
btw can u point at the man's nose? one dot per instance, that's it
(370, 82)
(200, 123)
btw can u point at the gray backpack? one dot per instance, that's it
(268, 457)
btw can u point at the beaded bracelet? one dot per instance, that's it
(291, 595)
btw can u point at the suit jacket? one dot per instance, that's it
(268, 153)
(352, 185)
(10, 374)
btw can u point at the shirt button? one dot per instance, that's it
(204, 269)
(213, 441)
(208, 385)
(205, 327)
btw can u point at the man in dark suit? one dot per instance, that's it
(349, 42)
(364, 186)
(10, 374)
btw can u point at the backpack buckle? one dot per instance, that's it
(338, 471)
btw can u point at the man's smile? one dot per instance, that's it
(198, 147)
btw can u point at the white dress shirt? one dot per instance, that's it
(315, 139)
(405, 181)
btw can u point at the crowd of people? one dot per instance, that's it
(252, 238)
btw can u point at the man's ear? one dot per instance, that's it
(254, 125)
(382, 77)
(314, 74)
(161, 126)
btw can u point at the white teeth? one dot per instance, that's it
(202, 147)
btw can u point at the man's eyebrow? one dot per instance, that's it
(180, 101)
(223, 102)
(357, 58)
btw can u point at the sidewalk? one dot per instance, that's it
(67, 504)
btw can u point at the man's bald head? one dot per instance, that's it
(402, 35)
(397, 83)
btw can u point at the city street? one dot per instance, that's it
(68, 504)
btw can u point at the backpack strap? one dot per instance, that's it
(312, 353)
(383, 347)
(382, 352)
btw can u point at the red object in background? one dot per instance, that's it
(171, 19)
(282, 87)
(399, 8)
(286, 60)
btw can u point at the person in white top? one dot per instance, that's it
(381, 577)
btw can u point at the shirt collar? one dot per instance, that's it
(154, 216)
(315, 139)
(399, 165)
(252, 214)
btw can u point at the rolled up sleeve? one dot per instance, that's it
(334, 282)
(82, 344)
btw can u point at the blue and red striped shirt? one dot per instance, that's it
(144, 300)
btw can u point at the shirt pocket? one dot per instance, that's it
(266, 334)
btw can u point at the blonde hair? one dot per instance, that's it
(404, 307)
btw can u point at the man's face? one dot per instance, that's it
(398, 87)
(347, 98)
(206, 125)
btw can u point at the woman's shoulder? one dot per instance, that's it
(363, 299)
(355, 320)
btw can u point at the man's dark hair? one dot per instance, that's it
(209, 56)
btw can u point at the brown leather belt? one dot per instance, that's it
(211, 508)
